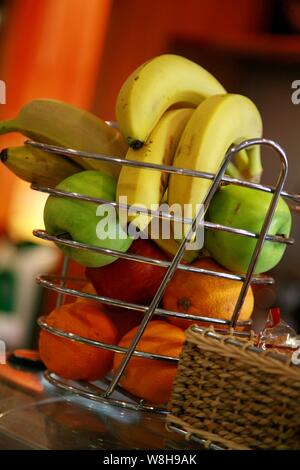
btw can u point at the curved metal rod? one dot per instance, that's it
(98, 344)
(193, 437)
(247, 233)
(166, 168)
(119, 205)
(160, 214)
(46, 282)
(265, 227)
(142, 259)
(176, 261)
(64, 273)
(83, 390)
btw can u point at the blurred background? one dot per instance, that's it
(82, 51)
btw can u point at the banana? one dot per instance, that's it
(145, 187)
(58, 123)
(216, 124)
(38, 167)
(155, 86)
(171, 246)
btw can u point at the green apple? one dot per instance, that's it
(244, 208)
(81, 220)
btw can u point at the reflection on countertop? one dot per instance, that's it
(43, 417)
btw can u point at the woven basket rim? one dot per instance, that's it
(226, 344)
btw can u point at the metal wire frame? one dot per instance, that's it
(193, 438)
(62, 289)
(217, 179)
(165, 264)
(95, 393)
(225, 180)
(160, 214)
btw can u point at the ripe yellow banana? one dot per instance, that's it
(38, 167)
(171, 247)
(145, 187)
(156, 85)
(58, 123)
(216, 124)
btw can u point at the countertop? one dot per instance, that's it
(37, 415)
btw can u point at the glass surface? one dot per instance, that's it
(53, 419)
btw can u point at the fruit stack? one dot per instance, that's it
(170, 112)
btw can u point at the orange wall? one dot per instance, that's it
(51, 49)
(54, 48)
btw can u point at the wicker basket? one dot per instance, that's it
(237, 396)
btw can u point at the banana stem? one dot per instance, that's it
(233, 171)
(7, 126)
(255, 167)
(241, 160)
(3, 155)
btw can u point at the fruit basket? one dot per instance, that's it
(60, 284)
(165, 140)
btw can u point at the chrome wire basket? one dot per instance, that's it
(107, 391)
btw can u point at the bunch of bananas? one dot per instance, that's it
(170, 111)
(58, 123)
(173, 112)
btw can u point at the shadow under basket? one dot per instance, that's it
(229, 393)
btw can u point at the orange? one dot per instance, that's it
(73, 360)
(151, 379)
(208, 296)
(88, 289)
(122, 318)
